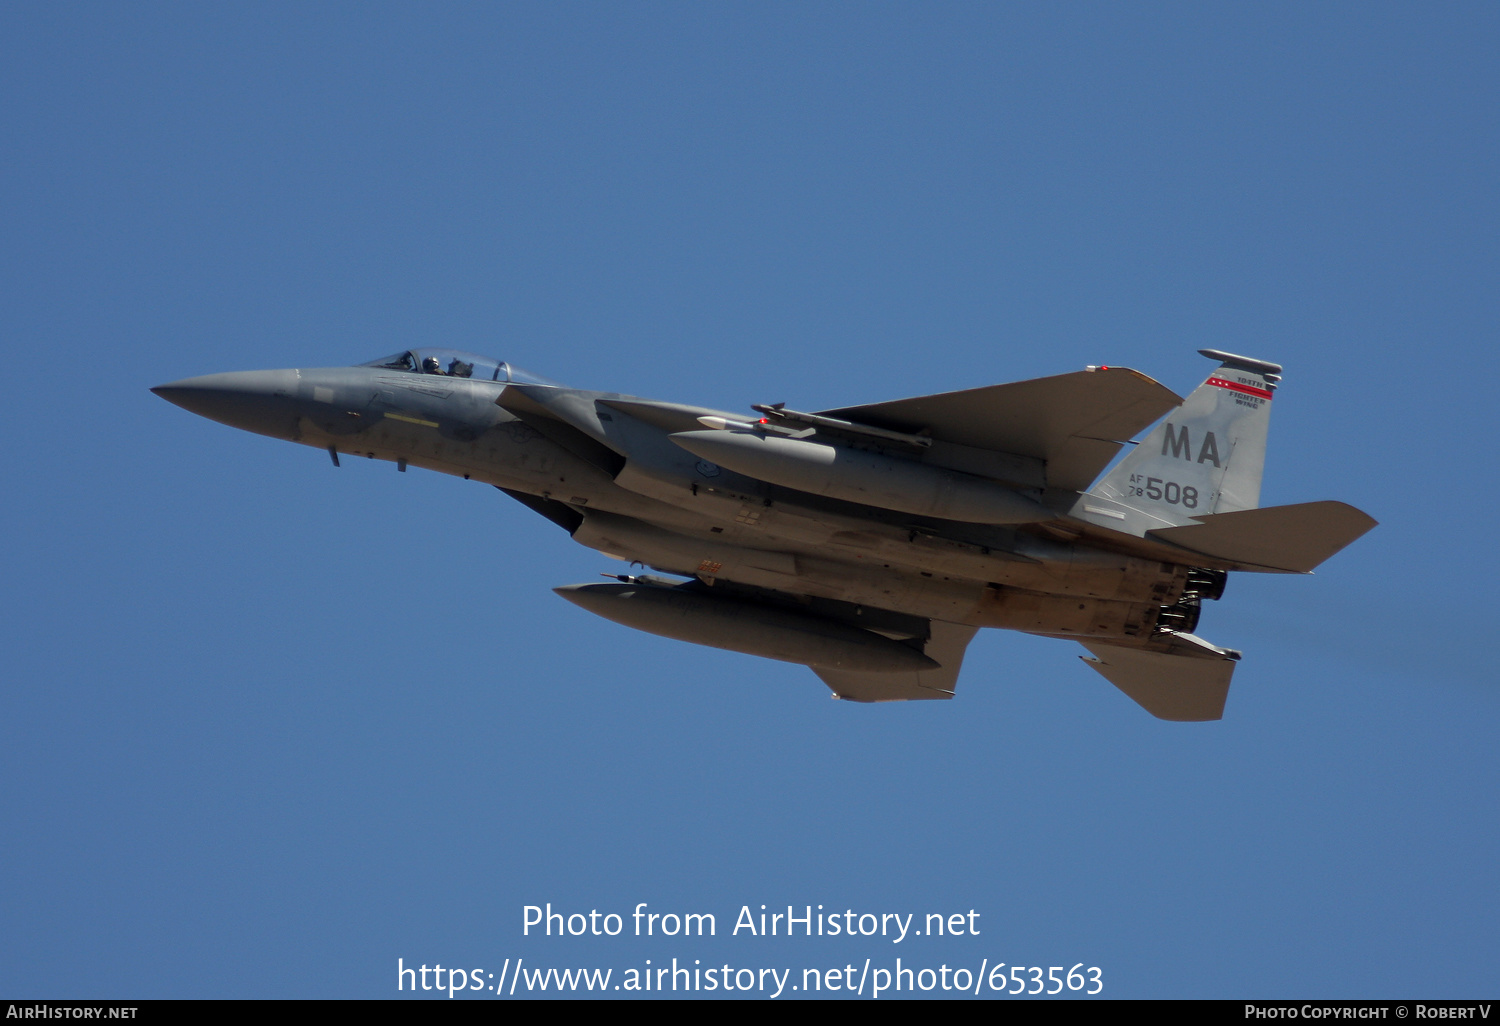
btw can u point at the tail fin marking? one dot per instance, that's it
(1208, 455)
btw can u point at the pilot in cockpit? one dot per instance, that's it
(430, 365)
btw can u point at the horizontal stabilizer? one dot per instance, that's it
(945, 647)
(1169, 686)
(1292, 539)
(1075, 422)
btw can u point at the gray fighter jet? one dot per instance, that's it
(867, 543)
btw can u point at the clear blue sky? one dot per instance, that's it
(266, 727)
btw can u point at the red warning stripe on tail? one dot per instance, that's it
(1235, 386)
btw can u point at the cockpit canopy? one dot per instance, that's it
(452, 363)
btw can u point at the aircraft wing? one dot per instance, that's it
(1075, 422)
(1188, 681)
(945, 647)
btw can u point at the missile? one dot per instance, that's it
(870, 478)
(746, 627)
(721, 424)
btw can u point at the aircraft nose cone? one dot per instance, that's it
(259, 401)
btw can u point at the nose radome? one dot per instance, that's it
(260, 401)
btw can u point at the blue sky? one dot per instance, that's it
(267, 726)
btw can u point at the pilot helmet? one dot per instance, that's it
(431, 366)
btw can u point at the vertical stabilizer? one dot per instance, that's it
(1207, 456)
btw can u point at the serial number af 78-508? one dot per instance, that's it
(1164, 491)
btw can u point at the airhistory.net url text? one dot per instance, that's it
(850, 980)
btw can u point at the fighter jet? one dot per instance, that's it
(868, 543)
